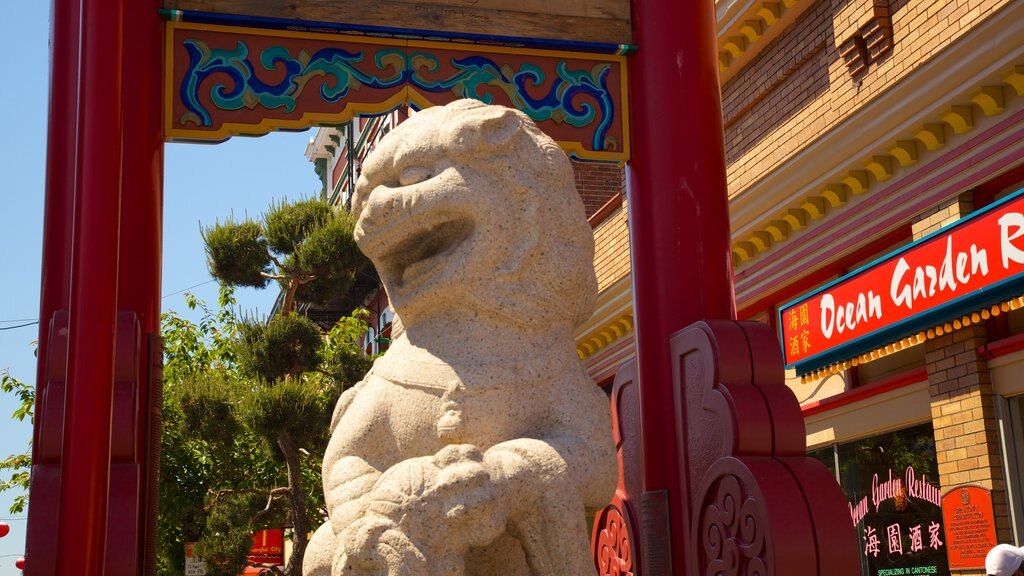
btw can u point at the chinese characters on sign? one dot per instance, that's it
(800, 341)
(872, 545)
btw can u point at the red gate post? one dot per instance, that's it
(55, 292)
(91, 233)
(140, 255)
(93, 304)
(727, 486)
(60, 177)
(678, 216)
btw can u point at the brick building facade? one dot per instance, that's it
(853, 128)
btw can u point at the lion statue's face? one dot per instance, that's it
(471, 206)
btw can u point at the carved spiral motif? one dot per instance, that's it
(614, 554)
(731, 530)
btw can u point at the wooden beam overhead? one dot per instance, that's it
(598, 21)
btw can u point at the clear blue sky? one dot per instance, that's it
(202, 183)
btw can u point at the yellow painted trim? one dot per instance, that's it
(880, 167)
(905, 152)
(1015, 79)
(351, 109)
(606, 334)
(745, 35)
(932, 135)
(991, 100)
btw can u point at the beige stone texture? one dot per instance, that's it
(477, 444)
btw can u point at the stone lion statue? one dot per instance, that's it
(476, 445)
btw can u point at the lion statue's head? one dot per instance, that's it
(471, 206)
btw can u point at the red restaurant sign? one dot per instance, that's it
(267, 547)
(971, 264)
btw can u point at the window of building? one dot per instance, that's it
(1011, 429)
(891, 483)
(384, 322)
(370, 341)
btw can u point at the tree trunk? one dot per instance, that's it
(297, 500)
(289, 295)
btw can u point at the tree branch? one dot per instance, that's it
(270, 506)
(218, 494)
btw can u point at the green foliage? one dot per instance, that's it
(331, 255)
(305, 245)
(247, 402)
(207, 406)
(18, 465)
(287, 225)
(343, 359)
(286, 346)
(221, 463)
(237, 253)
(296, 406)
(225, 543)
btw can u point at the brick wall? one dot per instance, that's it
(962, 402)
(611, 254)
(597, 183)
(964, 419)
(941, 215)
(798, 86)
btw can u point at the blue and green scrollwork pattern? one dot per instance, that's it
(580, 98)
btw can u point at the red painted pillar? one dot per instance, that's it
(141, 250)
(93, 304)
(58, 215)
(55, 292)
(678, 215)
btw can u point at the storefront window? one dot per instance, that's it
(891, 484)
(826, 456)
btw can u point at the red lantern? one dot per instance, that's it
(5, 529)
(19, 563)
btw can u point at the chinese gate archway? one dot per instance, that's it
(714, 476)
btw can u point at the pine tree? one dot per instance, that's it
(261, 394)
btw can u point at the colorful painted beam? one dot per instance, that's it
(224, 81)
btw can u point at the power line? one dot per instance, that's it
(33, 322)
(19, 326)
(165, 296)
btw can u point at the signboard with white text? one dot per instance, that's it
(194, 565)
(971, 264)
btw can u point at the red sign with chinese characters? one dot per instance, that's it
(970, 526)
(267, 547)
(974, 263)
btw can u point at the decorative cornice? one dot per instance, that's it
(742, 29)
(988, 99)
(612, 319)
(605, 335)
